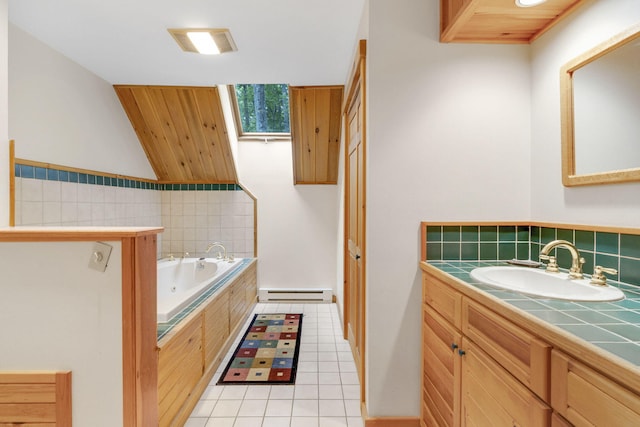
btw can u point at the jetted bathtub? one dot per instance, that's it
(183, 280)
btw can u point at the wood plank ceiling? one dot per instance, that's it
(499, 21)
(182, 131)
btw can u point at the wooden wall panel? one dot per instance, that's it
(182, 131)
(35, 398)
(315, 133)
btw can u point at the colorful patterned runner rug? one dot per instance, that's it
(268, 352)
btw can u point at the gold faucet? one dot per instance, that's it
(219, 245)
(576, 260)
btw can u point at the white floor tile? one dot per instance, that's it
(276, 422)
(220, 422)
(351, 391)
(196, 422)
(248, 422)
(349, 378)
(333, 422)
(306, 391)
(203, 408)
(329, 378)
(326, 392)
(327, 356)
(281, 392)
(305, 408)
(252, 408)
(332, 391)
(226, 408)
(352, 408)
(304, 421)
(307, 366)
(233, 392)
(212, 393)
(258, 392)
(306, 378)
(331, 408)
(328, 366)
(279, 408)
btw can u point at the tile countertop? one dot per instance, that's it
(612, 326)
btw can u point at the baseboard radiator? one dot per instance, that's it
(293, 295)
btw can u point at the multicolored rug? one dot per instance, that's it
(268, 352)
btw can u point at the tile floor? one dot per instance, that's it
(326, 392)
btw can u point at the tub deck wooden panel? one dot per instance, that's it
(192, 351)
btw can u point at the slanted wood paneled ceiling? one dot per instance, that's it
(182, 131)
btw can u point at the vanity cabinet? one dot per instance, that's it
(485, 364)
(587, 398)
(478, 369)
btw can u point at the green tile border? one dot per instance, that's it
(470, 242)
(53, 174)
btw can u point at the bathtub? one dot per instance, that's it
(181, 281)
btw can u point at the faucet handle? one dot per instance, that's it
(600, 279)
(552, 267)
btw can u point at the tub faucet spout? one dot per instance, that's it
(576, 260)
(219, 245)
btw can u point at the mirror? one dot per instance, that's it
(600, 99)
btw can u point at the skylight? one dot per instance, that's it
(261, 110)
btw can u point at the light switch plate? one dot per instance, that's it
(99, 256)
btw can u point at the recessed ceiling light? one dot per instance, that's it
(203, 42)
(529, 3)
(206, 41)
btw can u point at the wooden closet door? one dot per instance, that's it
(355, 208)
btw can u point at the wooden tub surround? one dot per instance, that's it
(35, 398)
(191, 352)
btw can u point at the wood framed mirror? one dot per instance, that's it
(600, 108)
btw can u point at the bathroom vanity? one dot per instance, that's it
(488, 360)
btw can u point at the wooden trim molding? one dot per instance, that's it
(392, 422)
(79, 170)
(12, 183)
(35, 398)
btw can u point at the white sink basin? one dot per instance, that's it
(547, 285)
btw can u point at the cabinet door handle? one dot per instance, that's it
(461, 353)
(454, 346)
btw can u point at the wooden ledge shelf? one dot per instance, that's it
(56, 234)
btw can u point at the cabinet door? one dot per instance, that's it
(446, 301)
(492, 397)
(441, 371)
(522, 354)
(586, 398)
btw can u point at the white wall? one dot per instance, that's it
(449, 140)
(4, 107)
(614, 205)
(296, 223)
(63, 114)
(61, 315)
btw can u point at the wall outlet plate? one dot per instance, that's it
(99, 256)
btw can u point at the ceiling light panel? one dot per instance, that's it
(221, 37)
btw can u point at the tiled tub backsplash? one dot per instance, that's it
(193, 215)
(502, 242)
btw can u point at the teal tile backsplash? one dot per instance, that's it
(502, 242)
